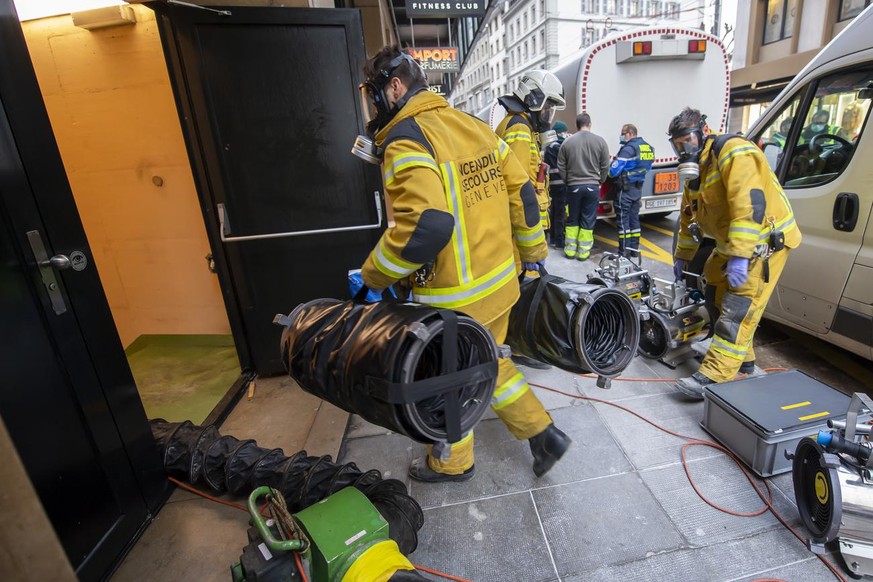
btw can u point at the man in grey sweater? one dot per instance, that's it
(583, 162)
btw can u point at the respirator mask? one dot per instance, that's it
(546, 138)
(688, 144)
(377, 111)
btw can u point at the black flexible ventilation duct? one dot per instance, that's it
(423, 372)
(200, 454)
(577, 327)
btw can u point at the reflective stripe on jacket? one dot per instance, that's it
(516, 130)
(737, 199)
(459, 199)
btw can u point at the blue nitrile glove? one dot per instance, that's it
(737, 271)
(533, 266)
(356, 281)
(678, 267)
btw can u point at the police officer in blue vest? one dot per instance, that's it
(630, 166)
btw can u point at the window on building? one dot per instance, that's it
(852, 8)
(533, 44)
(674, 10)
(655, 8)
(586, 6)
(610, 6)
(511, 31)
(635, 8)
(526, 56)
(779, 24)
(543, 39)
(525, 21)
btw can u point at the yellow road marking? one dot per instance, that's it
(661, 255)
(798, 405)
(658, 257)
(816, 415)
(658, 229)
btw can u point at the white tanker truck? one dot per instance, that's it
(643, 77)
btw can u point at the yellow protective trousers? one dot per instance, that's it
(513, 402)
(740, 311)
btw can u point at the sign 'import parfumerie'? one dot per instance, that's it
(435, 58)
(417, 9)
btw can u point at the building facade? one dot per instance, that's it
(774, 40)
(519, 35)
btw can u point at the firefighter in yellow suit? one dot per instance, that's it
(531, 110)
(460, 199)
(738, 201)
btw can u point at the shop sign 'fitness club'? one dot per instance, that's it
(416, 9)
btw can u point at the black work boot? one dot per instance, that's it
(421, 471)
(750, 369)
(547, 447)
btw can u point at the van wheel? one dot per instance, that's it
(696, 264)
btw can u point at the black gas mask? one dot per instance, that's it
(377, 111)
(688, 144)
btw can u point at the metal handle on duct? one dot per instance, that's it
(264, 529)
(224, 220)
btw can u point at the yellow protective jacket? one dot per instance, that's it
(459, 199)
(516, 130)
(738, 201)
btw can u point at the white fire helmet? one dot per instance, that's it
(541, 91)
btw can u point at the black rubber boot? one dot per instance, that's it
(420, 471)
(547, 447)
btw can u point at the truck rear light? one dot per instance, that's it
(643, 47)
(697, 46)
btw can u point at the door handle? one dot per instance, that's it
(845, 215)
(47, 268)
(59, 262)
(224, 227)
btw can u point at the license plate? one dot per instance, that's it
(666, 182)
(661, 203)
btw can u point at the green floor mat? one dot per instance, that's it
(182, 377)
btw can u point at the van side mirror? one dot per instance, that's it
(866, 93)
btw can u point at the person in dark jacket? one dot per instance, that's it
(630, 166)
(558, 207)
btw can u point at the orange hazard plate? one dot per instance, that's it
(666, 182)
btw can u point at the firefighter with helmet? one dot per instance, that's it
(462, 206)
(531, 109)
(732, 196)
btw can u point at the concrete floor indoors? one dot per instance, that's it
(618, 506)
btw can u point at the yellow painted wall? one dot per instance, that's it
(112, 110)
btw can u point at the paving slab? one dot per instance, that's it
(601, 522)
(772, 554)
(645, 445)
(721, 481)
(496, 539)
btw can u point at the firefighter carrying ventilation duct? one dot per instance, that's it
(460, 199)
(527, 130)
(732, 196)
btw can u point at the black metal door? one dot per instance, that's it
(67, 396)
(268, 103)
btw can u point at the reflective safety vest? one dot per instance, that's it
(460, 198)
(737, 200)
(807, 134)
(635, 158)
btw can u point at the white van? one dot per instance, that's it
(816, 137)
